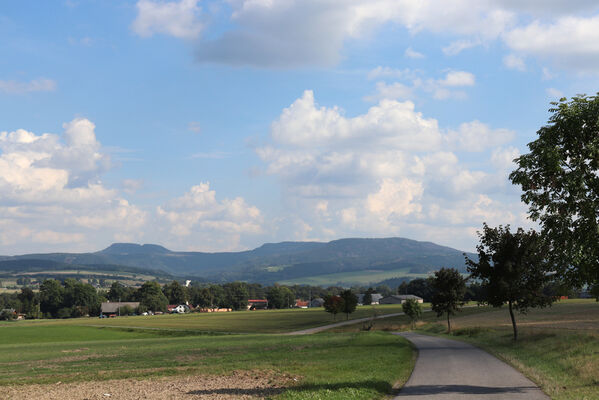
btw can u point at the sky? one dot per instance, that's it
(223, 125)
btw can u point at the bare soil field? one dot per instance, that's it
(238, 385)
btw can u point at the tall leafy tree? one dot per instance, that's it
(333, 304)
(350, 302)
(367, 299)
(29, 302)
(175, 293)
(449, 288)
(513, 269)
(279, 297)
(560, 181)
(51, 297)
(151, 297)
(236, 295)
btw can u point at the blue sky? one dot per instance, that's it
(221, 125)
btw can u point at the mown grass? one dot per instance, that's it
(269, 321)
(325, 366)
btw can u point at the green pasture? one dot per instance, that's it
(325, 366)
(267, 321)
(363, 278)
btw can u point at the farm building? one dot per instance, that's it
(112, 308)
(317, 302)
(301, 303)
(399, 299)
(257, 304)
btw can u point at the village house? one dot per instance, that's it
(111, 309)
(257, 304)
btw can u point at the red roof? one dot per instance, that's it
(257, 301)
(300, 303)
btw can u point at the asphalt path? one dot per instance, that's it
(452, 370)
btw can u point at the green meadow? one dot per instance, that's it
(364, 277)
(361, 365)
(266, 321)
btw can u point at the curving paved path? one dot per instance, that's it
(452, 370)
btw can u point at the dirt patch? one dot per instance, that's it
(239, 385)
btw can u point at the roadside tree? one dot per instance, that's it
(350, 302)
(560, 181)
(333, 304)
(413, 310)
(449, 288)
(513, 269)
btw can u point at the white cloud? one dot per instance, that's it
(411, 53)
(173, 18)
(455, 48)
(394, 91)
(571, 42)
(50, 191)
(201, 221)
(388, 171)
(458, 78)
(36, 85)
(513, 61)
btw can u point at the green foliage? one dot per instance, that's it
(7, 314)
(29, 302)
(51, 297)
(333, 304)
(412, 309)
(280, 297)
(151, 297)
(236, 295)
(419, 287)
(449, 288)
(350, 302)
(513, 269)
(175, 293)
(561, 186)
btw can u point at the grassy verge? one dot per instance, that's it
(325, 366)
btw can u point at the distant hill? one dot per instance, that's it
(272, 262)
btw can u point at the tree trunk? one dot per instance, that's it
(448, 324)
(513, 320)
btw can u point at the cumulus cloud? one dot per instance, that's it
(571, 42)
(554, 93)
(172, 18)
(50, 192)
(36, 85)
(199, 219)
(388, 171)
(396, 90)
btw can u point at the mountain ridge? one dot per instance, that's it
(272, 262)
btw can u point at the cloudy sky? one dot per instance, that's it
(221, 125)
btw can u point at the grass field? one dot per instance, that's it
(269, 321)
(364, 277)
(324, 366)
(558, 347)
